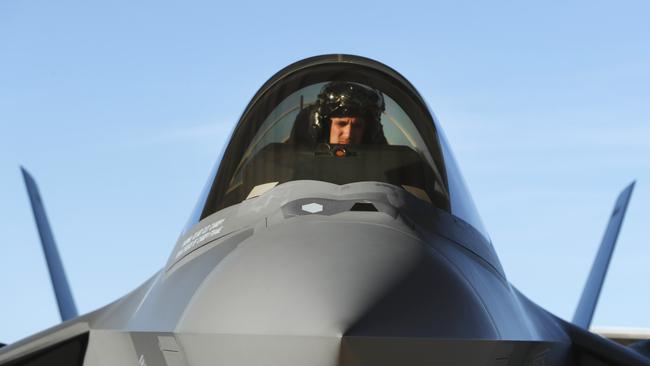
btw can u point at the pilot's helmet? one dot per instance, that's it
(348, 99)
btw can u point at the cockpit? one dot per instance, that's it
(339, 132)
(337, 119)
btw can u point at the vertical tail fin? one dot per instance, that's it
(67, 308)
(585, 311)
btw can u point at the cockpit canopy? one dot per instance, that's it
(337, 119)
(324, 132)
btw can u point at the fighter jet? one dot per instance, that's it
(336, 229)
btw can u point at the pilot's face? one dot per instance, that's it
(347, 130)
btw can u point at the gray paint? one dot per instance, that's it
(265, 282)
(338, 288)
(591, 292)
(67, 307)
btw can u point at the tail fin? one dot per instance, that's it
(67, 308)
(585, 311)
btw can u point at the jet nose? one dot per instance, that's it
(323, 277)
(309, 278)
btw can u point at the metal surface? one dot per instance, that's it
(315, 273)
(587, 304)
(64, 299)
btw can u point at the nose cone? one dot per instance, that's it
(307, 277)
(320, 277)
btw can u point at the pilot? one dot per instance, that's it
(348, 113)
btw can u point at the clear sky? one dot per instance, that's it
(120, 108)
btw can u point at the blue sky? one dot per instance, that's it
(119, 109)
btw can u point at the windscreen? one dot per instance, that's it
(337, 127)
